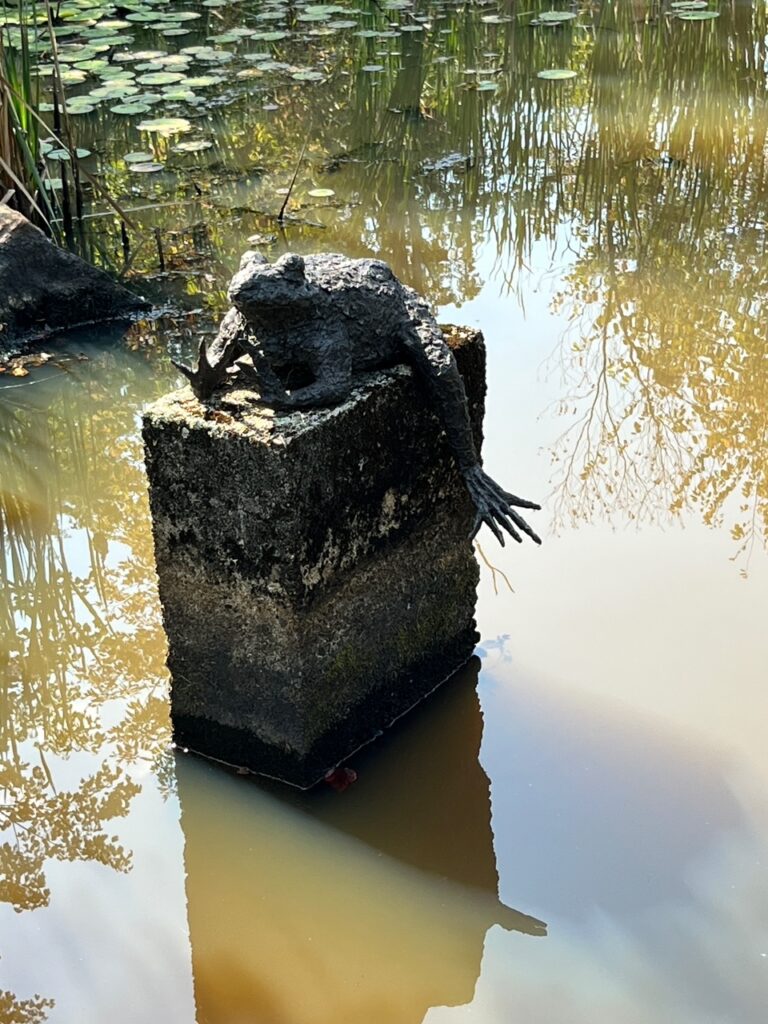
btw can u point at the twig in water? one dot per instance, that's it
(281, 215)
(160, 255)
(494, 570)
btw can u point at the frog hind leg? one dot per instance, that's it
(424, 343)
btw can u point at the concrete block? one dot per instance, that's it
(314, 567)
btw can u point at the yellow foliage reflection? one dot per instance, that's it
(80, 632)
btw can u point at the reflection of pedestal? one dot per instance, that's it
(370, 905)
(314, 568)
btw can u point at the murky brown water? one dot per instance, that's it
(603, 767)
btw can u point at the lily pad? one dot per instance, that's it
(556, 74)
(130, 108)
(192, 146)
(165, 125)
(64, 154)
(321, 193)
(555, 17)
(148, 168)
(698, 15)
(160, 78)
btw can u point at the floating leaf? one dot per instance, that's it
(147, 168)
(202, 81)
(138, 158)
(555, 17)
(165, 125)
(698, 15)
(130, 108)
(160, 78)
(192, 146)
(64, 154)
(321, 193)
(556, 74)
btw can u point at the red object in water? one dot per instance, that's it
(340, 778)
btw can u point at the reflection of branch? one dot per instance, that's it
(494, 570)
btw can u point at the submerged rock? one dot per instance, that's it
(44, 289)
(315, 568)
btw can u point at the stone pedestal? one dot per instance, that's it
(314, 568)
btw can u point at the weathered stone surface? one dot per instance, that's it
(44, 289)
(314, 567)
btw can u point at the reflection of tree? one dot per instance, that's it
(23, 1011)
(80, 633)
(668, 369)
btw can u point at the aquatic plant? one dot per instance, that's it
(21, 167)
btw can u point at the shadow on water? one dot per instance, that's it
(372, 904)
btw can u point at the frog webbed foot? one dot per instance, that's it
(206, 376)
(495, 507)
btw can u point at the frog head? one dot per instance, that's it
(264, 292)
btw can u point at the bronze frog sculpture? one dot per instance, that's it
(303, 330)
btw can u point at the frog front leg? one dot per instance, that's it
(213, 362)
(255, 369)
(329, 361)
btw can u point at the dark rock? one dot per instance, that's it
(44, 289)
(315, 570)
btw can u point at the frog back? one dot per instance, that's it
(370, 301)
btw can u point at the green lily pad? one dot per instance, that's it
(698, 15)
(160, 78)
(130, 108)
(64, 154)
(192, 146)
(202, 81)
(165, 125)
(555, 17)
(70, 77)
(556, 74)
(321, 193)
(138, 157)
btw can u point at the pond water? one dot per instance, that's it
(601, 766)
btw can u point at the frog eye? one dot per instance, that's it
(251, 258)
(291, 265)
(380, 271)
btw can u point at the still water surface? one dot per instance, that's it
(601, 766)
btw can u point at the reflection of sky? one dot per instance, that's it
(624, 702)
(110, 947)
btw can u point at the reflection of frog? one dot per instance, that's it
(304, 329)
